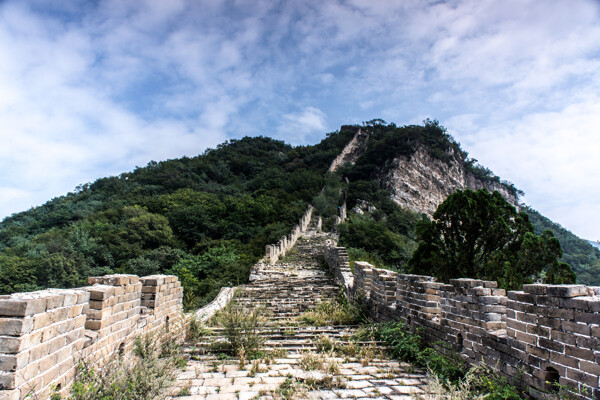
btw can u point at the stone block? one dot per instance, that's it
(22, 307)
(536, 289)
(538, 352)
(11, 345)
(153, 280)
(582, 354)
(567, 290)
(95, 325)
(42, 320)
(521, 297)
(527, 318)
(100, 292)
(582, 377)
(466, 283)
(9, 394)
(582, 329)
(7, 380)
(561, 313)
(591, 368)
(16, 326)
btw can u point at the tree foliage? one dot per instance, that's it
(475, 234)
(582, 256)
(205, 218)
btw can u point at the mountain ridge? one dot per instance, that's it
(208, 218)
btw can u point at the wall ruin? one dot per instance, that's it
(44, 334)
(536, 336)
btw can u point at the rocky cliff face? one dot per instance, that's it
(421, 182)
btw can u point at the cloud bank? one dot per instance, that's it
(89, 89)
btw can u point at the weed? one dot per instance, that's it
(145, 377)
(333, 367)
(289, 332)
(349, 350)
(450, 378)
(325, 344)
(366, 354)
(241, 328)
(256, 368)
(288, 389)
(196, 330)
(311, 361)
(279, 352)
(330, 313)
(185, 391)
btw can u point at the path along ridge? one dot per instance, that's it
(298, 362)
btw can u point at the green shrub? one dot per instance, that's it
(451, 378)
(241, 328)
(332, 313)
(145, 377)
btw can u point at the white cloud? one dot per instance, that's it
(554, 157)
(297, 126)
(88, 90)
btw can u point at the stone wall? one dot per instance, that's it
(541, 334)
(274, 251)
(44, 334)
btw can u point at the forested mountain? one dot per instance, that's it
(208, 218)
(581, 255)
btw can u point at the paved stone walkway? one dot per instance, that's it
(299, 361)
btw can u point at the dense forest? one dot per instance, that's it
(208, 218)
(581, 255)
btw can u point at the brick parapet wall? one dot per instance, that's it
(542, 333)
(274, 251)
(363, 278)
(44, 334)
(339, 264)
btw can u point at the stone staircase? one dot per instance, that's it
(298, 361)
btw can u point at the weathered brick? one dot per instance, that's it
(538, 352)
(574, 327)
(536, 289)
(11, 345)
(521, 297)
(567, 290)
(576, 352)
(13, 362)
(527, 318)
(21, 308)
(582, 377)
(42, 320)
(100, 292)
(538, 330)
(7, 380)
(551, 345)
(16, 326)
(526, 338)
(591, 368)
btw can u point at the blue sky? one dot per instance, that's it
(90, 89)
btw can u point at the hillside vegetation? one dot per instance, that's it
(581, 255)
(208, 218)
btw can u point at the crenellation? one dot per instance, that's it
(526, 335)
(275, 251)
(44, 334)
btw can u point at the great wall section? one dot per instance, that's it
(541, 335)
(44, 334)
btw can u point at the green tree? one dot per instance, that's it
(475, 234)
